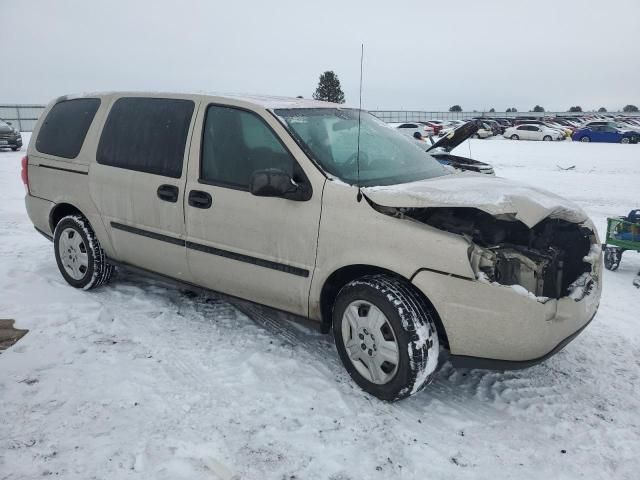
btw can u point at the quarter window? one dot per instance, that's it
(65, 128)
(236, 143)
(146, 135)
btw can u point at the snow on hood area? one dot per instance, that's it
(142, 380)
(494, 195)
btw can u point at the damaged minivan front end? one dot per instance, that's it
(534, 266)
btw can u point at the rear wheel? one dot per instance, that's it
(15, 149)
(624, 140)
(386, 336)
(585, 139)
(612, 257)
(79, 256)
(547, 138)
(515, 137)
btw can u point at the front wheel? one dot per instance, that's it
(515, 137)
(79, 256)
(547, 138)
(624, 140)
(585, 139)
(15, 149)
(386, 336)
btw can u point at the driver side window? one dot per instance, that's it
(236, 143)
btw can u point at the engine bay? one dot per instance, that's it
(546, 260)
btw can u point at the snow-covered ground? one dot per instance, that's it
(144, 380)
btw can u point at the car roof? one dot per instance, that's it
(269, 102)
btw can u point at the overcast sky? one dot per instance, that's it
(479, 54)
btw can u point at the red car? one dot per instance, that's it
(435, 124)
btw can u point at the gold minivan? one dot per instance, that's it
(321, 211)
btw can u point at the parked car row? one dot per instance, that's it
(587, 128)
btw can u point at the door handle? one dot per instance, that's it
(200, 199)
(168, 193)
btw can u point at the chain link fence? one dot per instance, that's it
(24, 117)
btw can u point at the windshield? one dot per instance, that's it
(330, 136)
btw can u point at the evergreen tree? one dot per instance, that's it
(492, 110)
(602, 110)
(630, 108)
(577, 108)
(456, 108)
(538, 108)
(329, 89)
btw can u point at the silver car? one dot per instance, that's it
(320, 211)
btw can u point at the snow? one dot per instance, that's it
(143, 380)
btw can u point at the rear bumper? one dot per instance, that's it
(39, 211)
(501, 326)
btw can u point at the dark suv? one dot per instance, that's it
(9, 137)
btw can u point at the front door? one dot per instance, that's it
(137, 181)
(257, 248)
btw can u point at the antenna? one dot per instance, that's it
(359, 112)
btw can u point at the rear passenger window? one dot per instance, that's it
(63, 131)
(236, 143)
(146, 135)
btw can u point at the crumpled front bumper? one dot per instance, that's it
(499, 326)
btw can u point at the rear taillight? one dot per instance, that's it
(24, 172)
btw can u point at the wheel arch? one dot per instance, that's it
(60, 211)
(340, 277)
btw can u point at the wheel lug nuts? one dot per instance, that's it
(370, 352)
(365, 332)
(364, 347)
(372, 337)
(361, 336)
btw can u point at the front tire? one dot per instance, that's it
(386, 336)
(514, 137)
(79, 256)
(15, 149)
(624, 140)
(547, 138)
(585, 139)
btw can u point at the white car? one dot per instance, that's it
(533, 132)
(409, 128)
(484, 131)
(450, 126)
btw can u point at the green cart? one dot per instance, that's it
(623, 233)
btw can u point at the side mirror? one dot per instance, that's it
(273, 182)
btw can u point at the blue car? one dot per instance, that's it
(605, 133)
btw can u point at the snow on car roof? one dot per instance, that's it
(264, 101)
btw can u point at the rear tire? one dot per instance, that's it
(624, 140)
(15, 149)
(79, 256)
(547, 138)
(514, 137)
(386, 336)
